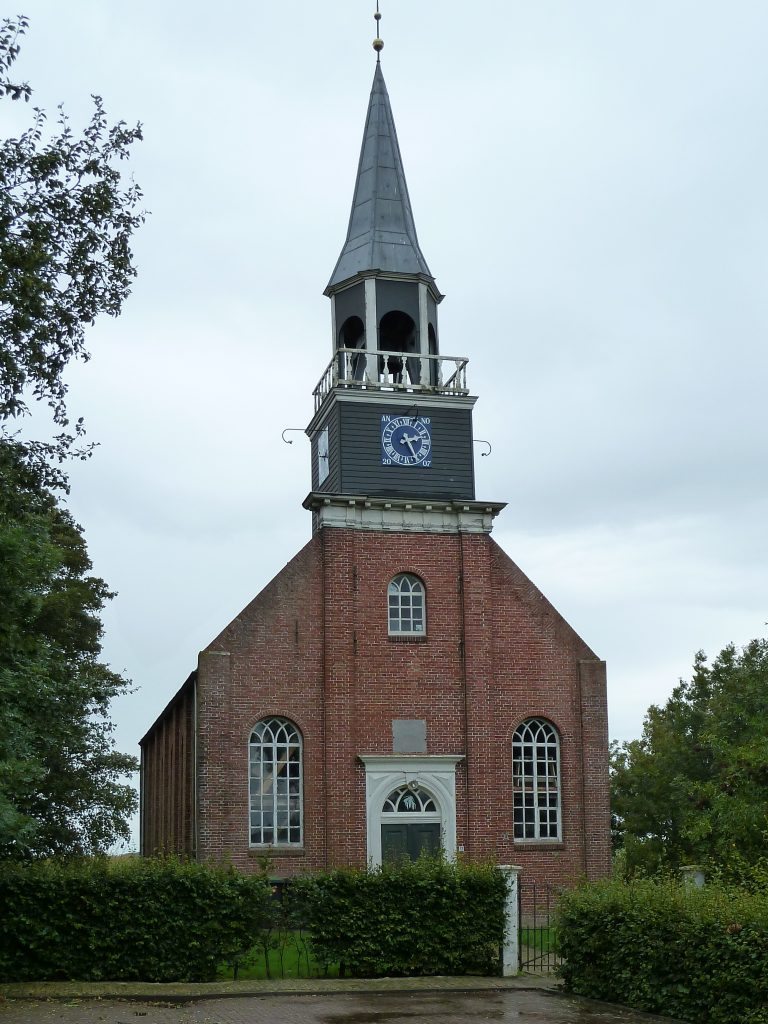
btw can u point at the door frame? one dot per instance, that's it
(435, 772)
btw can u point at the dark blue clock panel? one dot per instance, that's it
(355, 454)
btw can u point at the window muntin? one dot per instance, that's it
(275, 784)
(536, 780)
(407, 606)
(409, 800)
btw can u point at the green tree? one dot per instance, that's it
(60, 778)
(66, 220)
(694, 787)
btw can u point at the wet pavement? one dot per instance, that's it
(520, 1006)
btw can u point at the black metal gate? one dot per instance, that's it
(537, 937)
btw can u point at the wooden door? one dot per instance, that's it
(409, 840)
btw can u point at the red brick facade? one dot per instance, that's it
(314, 648)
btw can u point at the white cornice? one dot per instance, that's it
(402, 515)
(414, 762)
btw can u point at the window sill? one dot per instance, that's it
(540, 844)
(276, 851)
(408, 638)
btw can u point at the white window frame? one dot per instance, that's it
(540, 741)
(282, 733)
(404, 602)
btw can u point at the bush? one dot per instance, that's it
(131, 919)
(694, 954)
(427, 917)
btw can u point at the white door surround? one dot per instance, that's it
(384, 773)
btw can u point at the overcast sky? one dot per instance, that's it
(589, 186)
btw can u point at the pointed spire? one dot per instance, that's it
(381, 234)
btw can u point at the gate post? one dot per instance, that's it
(510, 950)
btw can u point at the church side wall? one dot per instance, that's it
(167, 779)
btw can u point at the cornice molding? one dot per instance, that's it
(401, 515)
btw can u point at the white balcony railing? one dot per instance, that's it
(379, 370)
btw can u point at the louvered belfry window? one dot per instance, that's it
(275, 784)
(536, 780)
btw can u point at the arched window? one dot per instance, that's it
(536, 780)
(352, 335)
(409, 800)
(275, 783)
(397, 334)
(407, 606)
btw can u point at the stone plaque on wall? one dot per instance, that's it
(409, 736)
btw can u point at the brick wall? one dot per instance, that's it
(314, 647)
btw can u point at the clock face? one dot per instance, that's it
(322, 455)
(406, 441)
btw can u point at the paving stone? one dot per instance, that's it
(532, 1006)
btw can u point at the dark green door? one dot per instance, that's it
(409, 840)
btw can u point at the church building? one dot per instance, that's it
(400, 685)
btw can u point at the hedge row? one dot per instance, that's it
(132, 919)
(694, 954)
(427, 917)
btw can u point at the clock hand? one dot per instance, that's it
(405, 439)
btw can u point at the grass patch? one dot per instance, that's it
(283, 955)
(540, 940)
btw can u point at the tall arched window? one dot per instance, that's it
(275, 784)
(536, 780)
(407, 606)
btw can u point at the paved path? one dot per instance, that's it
(515, 1006)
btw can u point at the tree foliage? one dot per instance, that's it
(694, 787)
(60, 788)
(424, 917)
(66, 220)
(126, 919)
(664, 947)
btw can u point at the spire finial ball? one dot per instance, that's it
(377, 16)
(378, 45)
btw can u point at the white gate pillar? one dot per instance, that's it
(510, 950)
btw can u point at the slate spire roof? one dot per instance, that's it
(381, 234)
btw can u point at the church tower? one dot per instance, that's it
(393, 416)
(400, 685)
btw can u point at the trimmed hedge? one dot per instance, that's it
(427, 917)
(695, 954)
(125, 920)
